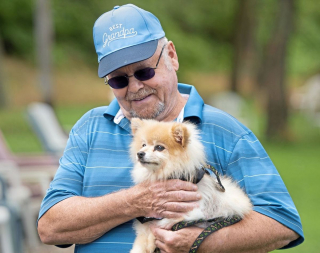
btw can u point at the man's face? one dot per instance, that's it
(154, 98)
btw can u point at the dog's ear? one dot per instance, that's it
(180, 134)
(136, 123)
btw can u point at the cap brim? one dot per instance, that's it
(126, 56)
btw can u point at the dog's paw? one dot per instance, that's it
(149, 249)
(138, 249)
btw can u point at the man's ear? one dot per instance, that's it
(173, 56)
(136, 123)
(180, 134)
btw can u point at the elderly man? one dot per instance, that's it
(91, 202)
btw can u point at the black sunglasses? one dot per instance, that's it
(120, 82)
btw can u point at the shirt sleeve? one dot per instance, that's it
(251, 167)
(68, 180)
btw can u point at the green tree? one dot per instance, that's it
(245, 44)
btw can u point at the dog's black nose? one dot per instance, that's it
(141, 154)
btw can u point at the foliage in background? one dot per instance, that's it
(16, 27)
(202, 30)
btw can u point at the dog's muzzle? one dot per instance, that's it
(141, 155)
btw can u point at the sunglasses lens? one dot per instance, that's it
(118, 82)
(144, 74)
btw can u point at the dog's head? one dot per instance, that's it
(166, 146)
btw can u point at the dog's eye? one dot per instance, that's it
(159, 148)
(143, 145)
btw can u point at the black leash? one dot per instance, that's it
(217, 224)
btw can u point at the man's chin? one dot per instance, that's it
(142, 115)
(146, 113)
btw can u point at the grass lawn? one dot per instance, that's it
(297, 161)
(298, 165)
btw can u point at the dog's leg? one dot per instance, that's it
(145, 241)
(151, 246)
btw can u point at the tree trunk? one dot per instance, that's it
(244, 44)
(273, 75)
(44, 38)
(3, 97)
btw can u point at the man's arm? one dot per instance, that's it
(255, 233)
(82, 220)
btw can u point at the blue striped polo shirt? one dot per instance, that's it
(96, 162)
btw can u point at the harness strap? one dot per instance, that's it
(216, 173)
(217, 224)
(199, 175)
(143, 219)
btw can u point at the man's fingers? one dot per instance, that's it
(171, 215)
(181, 207)
(164, 238)
(161, 246)
(160, 234)
(182, 196)
(178, 241)
(176, 185)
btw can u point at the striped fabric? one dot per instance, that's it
(96, 162)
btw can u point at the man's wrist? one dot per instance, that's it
(131, 196)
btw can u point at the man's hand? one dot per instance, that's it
(175, 242)
(169, 199)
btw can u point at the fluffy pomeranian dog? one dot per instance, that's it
(167, 150)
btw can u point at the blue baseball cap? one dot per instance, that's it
(125, 35)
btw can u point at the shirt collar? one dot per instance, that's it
(194, 105)
(112, 110)
(119, 116)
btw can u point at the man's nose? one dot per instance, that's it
(141, 154)
(134, 84)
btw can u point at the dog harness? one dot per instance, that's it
(215, 224)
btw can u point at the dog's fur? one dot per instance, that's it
(183, 153)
